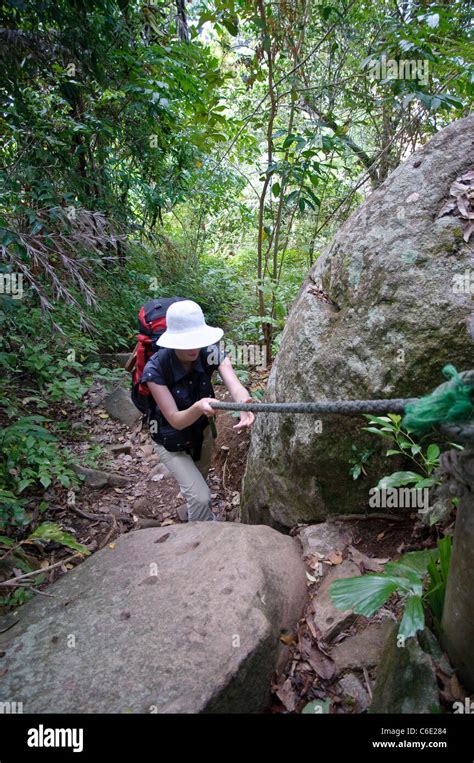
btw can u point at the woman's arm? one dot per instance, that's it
(239, 393)
(167, 405)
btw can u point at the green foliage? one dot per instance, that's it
(437, 37)
(107, 115)
(426, 461)
(438, 579)
(49, 531)
(367, 593)
(42, 535)
(30, 455)
(359, 460)
(15, 599)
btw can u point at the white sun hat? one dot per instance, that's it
(186, 328)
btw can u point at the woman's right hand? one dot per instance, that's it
(203, 405)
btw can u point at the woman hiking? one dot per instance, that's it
(179, 379)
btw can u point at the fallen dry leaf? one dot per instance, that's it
(320, 663)
(287, 639)
(313, 563)
(287, 695)
(335, 557)
(462, 206)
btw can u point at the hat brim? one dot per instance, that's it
(190, 340)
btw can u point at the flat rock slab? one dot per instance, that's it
(327, 619)
(185, 619)
(362, 650)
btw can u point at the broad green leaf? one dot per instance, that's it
(433, 452)
(379, 419)
(418, 560)
(445, 551)
(377, 431)
(413, 617)
(427, 482)
(395, 417)
(364, 594)
(397, 479)
(4, 541)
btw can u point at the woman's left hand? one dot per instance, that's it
(246, 417)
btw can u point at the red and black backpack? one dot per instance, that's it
(151, 325)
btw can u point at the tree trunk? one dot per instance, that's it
(181, 21)
(458, 611)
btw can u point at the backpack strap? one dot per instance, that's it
(165, 361)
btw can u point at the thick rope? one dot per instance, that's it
(344, 407)
(449, 407)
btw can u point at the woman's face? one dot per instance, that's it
(188, 355)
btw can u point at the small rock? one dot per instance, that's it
(97, 479)
(354, 692)
(362, 650)
(159, 469)
(324, 538)
(120, 407)
(141, 507)
(117, 480)
(182, 512)
(121, 447)
(119, 511)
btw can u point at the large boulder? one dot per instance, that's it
(406, 679)
(185, 619)
(379, 315)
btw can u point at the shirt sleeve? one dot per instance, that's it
(214, 356)
(153, 372)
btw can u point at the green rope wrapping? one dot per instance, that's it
(451, 402)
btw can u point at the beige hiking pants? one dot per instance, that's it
(191, 476)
